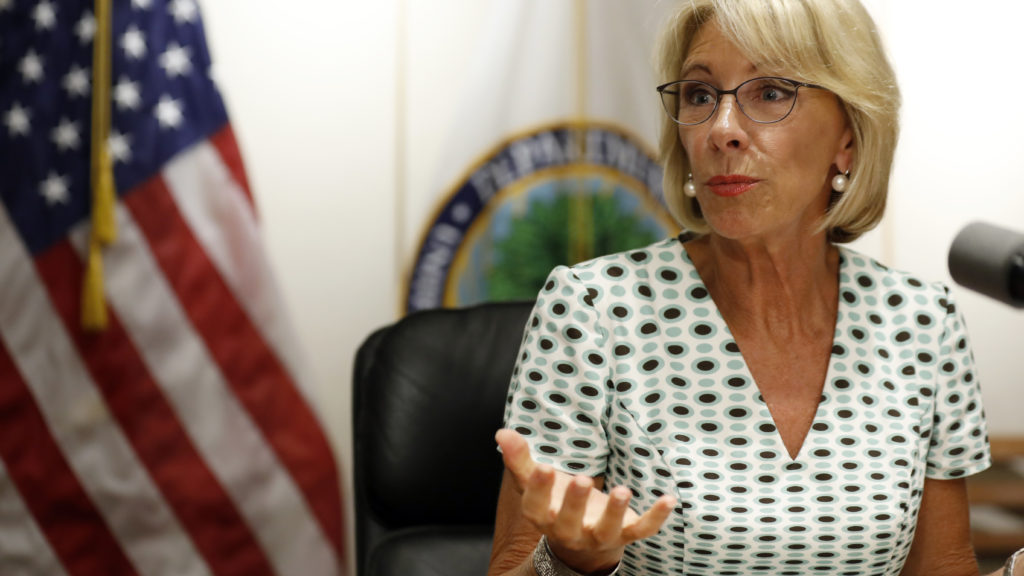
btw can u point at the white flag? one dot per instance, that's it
(552, 159)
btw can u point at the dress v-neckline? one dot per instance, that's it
(755, 390)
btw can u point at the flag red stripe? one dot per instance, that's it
(226, 145)
(73, 526)
(199, 501)
(248, 364)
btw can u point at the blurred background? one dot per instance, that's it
(345, 112)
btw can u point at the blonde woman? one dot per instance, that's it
(752, 397)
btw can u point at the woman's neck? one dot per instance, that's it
(787, 289)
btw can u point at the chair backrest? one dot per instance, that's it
(428, 396)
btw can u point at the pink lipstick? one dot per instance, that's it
(731, 184)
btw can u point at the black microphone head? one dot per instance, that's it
(990, 260)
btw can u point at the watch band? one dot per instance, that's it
(545, 563)
(1012, 561)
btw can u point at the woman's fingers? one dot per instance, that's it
(649, 522)
(568, 526)
(515, 452)
(609, 527)
(537, 495)
(557, 503)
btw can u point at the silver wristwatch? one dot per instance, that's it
(545, 563)
(1014, 559)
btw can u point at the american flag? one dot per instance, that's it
(180, 439)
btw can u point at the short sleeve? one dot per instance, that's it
(959, 443)
(558, 394)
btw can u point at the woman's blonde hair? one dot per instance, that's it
(831, 43)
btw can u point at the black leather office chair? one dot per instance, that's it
(428, 396)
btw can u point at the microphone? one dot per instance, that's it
(990, 260)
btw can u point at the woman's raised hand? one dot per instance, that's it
(586, 528)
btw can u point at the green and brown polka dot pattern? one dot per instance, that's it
(628, 371)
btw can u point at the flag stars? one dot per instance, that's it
(76, 82)
(31, 67)
(65, 135)
(183, 11)
(168, 112)
(119, 146)
(176, 61)
(17, 120)
(45, 16)
(126, 95)
(133, 42)
(142, 4)
(85, 29)
(54, 189)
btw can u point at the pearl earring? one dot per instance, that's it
(841, 181)
(690, 189)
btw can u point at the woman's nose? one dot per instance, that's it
(727, 125)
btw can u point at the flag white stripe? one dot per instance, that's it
(203, 187)
(220, 429)
(92, 442)
(23, 547)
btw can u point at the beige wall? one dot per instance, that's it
(313, 87)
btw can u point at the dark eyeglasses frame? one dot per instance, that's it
(664, 88)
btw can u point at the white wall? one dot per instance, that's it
(310, 87)
(958, 160)
(314, 86)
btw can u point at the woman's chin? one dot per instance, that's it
(735, 227)
(739, 224)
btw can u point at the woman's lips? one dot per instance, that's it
(731, 184)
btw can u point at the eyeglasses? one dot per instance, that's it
(764, 100)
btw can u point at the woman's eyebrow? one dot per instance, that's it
(695, 66)
(689, 68)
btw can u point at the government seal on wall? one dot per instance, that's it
(556, 195)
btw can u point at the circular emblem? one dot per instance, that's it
(558, 195)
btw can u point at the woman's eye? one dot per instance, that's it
(775, 93)
(699, 97)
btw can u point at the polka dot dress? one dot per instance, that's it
(628, 371)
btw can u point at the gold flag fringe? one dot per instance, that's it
(103, 228)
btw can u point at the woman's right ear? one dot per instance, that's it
(844, 158)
